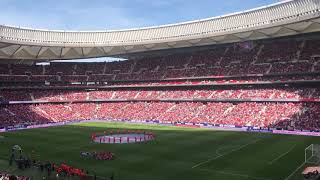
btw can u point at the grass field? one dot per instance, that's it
(177, 153)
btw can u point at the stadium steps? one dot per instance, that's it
(168, 110)
(171, 108)
(260, 114)
(199, 110)
(239, 95)
(221, 58)
(10, 70)
(10, 112)
(165, 73)
(76, 67)
(43, 70)
(87, 95)
(260, 50)
(269, 69)
(210, 96)
(313, 66)
(311, 94)
(256, 57)
(226, 51)
(272, 95)
(262, 111)
(303, 44)
(113, 94)
(44, 112)
(156, 69)
(229, 110)
(113, 76)
(96, 110)
(161, 94)
(298, 54)
(104, 68)
(132, 67)
(219, 61)
(186, 65)
(135, 97)
(32, 96)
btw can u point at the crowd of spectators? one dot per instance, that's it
(261, 57)
(6, 176)
(278, 115)
(261, 93)
(104, 155)
(242, 80)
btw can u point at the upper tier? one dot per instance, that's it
(280, 19)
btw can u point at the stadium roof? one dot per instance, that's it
(284, 18)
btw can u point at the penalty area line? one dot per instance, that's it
(234, 174)
(287, 178)
(279, 157)
(102, 177)
(222, 155)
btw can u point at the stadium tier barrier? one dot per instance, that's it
(173, 100)
(180, 124)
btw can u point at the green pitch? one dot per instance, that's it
(176, 154)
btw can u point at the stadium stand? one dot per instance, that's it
(262, 57)
(277, 115)
(270, 93)
(175, 87)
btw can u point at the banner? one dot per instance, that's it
(301, 133)
(182, 124)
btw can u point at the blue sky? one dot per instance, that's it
(114, 14)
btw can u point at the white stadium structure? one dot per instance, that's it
(284, 18)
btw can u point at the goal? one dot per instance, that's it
(312, 154)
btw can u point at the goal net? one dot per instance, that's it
(312, 154)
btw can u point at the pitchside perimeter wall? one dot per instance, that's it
(192, 125)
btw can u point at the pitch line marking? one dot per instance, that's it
(102, 177)
(224, 147)
(279, 157)
(217, 157)
(287, 178)
(235, 174)
(218, 150)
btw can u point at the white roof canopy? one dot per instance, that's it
(280, 19)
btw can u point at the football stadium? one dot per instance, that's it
(235, 96)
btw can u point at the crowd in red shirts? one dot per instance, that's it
(263, 93)
(6, 176)
(69, 170)
(273, 114)
(104, 155)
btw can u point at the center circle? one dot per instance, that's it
(123, 138)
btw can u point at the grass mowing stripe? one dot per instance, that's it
(234, 150)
